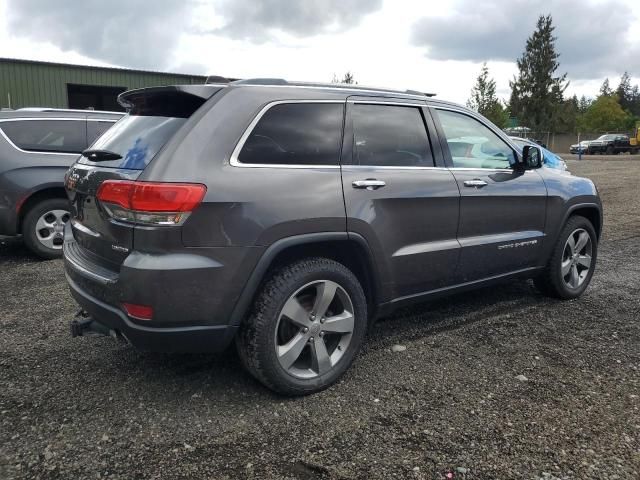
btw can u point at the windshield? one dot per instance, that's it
(606, 137)
(137, 139)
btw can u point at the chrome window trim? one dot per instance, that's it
(388, 167)
(30, 119)
(235, 162)
(480, 169)
(32, 152)
(392, 103)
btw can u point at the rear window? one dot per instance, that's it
(296, 134)
(95, 128)
(137, 139)
(60, 136)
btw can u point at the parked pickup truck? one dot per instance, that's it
(611, 144)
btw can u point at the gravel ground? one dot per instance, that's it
(502, 383)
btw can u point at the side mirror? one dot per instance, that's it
(532, 157)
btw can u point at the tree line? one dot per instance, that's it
(538, 99)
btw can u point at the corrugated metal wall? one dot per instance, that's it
(41, 84)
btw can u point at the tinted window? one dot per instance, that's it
(66, 136)
(137, 139)
(296, 134)
(472, 144)
(96, 129)
(386, 135)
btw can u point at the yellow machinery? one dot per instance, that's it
(635, 140)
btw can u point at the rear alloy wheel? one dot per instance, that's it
(306, 327)
(314, 329)
(43, 227)
(572, 262)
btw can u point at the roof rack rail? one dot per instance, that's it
(74, 110)
(416, 92)
(262, 81)
(337, 86)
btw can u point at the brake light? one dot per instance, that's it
(151, 203)
(141, 312)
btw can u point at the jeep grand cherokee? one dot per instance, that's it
(287, 216)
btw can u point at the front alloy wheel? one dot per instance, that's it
(576, 258)
(572, 262)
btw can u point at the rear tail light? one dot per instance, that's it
(140, 312)
(150, 203)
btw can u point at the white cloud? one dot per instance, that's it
(377, 43)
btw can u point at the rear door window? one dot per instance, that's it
(296, 134)
(391, 136)
(137, 139)
(61, 136)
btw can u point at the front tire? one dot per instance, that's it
(572, 262)
(306, 327)
(43, 227)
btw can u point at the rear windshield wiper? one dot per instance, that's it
(101, 155)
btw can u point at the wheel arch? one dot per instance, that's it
(36, 197)
(590, 211)
(349, 249)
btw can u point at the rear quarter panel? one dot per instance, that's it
(23, 174)
(247, 206)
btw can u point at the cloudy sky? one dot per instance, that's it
(435, 46)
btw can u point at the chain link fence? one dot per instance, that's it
(560, 142)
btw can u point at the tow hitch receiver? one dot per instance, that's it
(83, 325)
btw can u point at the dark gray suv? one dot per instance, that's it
(37, 146)
(287, 217)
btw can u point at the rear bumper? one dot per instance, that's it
(192, 293)
(209, 338)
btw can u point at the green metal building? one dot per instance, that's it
(26, 83)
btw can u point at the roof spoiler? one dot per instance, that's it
(170, 101)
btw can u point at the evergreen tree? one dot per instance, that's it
(625, 92)
(568, 114)
(635, 103)
(583, 104)
(348, 78)
(537, 93)
(484, 100)
(605, 89)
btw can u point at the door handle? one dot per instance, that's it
(369, 184)
(476, 182)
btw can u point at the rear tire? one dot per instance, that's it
(290, 349)
(42, 228)
(573, 260)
